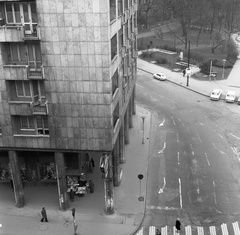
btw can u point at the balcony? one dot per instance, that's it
(33, 34)
(35, 73)
(39, 108)
(11, 33)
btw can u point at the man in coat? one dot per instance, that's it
(44, 215)
(178, 225)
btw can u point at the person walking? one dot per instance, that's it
(91, 186)
(44, 215)
(178, 225)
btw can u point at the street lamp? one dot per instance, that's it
(143, 118)
(188, 68)
(140, 198)
(224, 61)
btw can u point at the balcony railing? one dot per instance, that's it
(35, 73)
(39, 108)
(31, 34)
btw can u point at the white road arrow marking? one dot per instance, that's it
(164, 146)
(164, 184)
(161, 124)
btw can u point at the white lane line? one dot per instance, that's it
(152, 230)
(198, 189)
(214, 193)
(180, 192)
(188, 230)
(161, 124)
(200, 230)
(236, 228)
(235, 136)
(220, 135)
(217, 149)
(224, 229)
(178, 158)
(199, 137)
(177, 137)
(173, 120)
(164, 184)
(164, 146)
(212, 230)
(192, 149)
(207, 159)
(201, 124)
(139, 85)
(161, 208)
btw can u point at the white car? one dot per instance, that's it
(230, 96)
(160, 76)
(216, 94)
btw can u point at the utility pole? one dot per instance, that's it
(143, 118)
(188, 62)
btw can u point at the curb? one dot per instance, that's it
(178, 84)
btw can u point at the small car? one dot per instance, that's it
(238, 101)
(160, 76)
(230, 96)
(216, 94)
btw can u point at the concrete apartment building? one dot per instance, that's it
(67, 82)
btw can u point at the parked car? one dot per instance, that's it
(216, 94)
(160, 76)
(238, 100)
(230, 96)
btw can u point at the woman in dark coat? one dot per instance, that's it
(178, 225)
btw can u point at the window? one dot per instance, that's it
(125, 5)
(23, 88)
(113, 9)
(120, 7)
(31, 125)
(116, 114)
(113, 46)
(126, 31)
(114, 82)
(26, 122)
(120, 38)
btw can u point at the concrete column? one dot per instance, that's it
(61, 181)
(17, 180)
(108, 188)
(130, 113)
(126, 127)
(133, 100)
(122, 158)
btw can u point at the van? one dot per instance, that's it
(230, 97)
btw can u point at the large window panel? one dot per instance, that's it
(120, 38)
(113, 46)
(113, 9)
(120, 7)
(114, 82)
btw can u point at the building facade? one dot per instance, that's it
(67, 82)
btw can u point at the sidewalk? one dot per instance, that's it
(90, 216)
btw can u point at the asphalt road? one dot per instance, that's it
(193, 170)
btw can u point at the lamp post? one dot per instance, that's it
(188, 68)
(140, 198)
(143, 118)
(224, 61)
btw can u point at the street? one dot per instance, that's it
(193, 170)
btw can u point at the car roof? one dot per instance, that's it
(231, 92)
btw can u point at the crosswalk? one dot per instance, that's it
(223, 229)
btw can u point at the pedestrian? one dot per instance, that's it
(92, 162)
(71, 194)
(11, 182)
(178, 225)
(44, 215)
(184, 72)
(158, 232)
(91, 186)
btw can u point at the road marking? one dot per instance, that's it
(173, 120)
(224, 229)
(199, 137)
(207, 159)
(200, 230)
(161, 124)
(212, 230)
(201, 124)
(236, 228)
(178, 158)
(214, 193)
(217, 149)
(164, 146)
(188, 230)
(235, 136)
(177, 137)
(180, 192)
(192, 149)
(139, 85)
(152, 230)
(220, 135)
(161, 208)
(198, 189)
(164, 184)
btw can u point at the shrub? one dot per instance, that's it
(146, 54)
(232, 53)
(219, 63)
(205, 67)
(161, 60)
